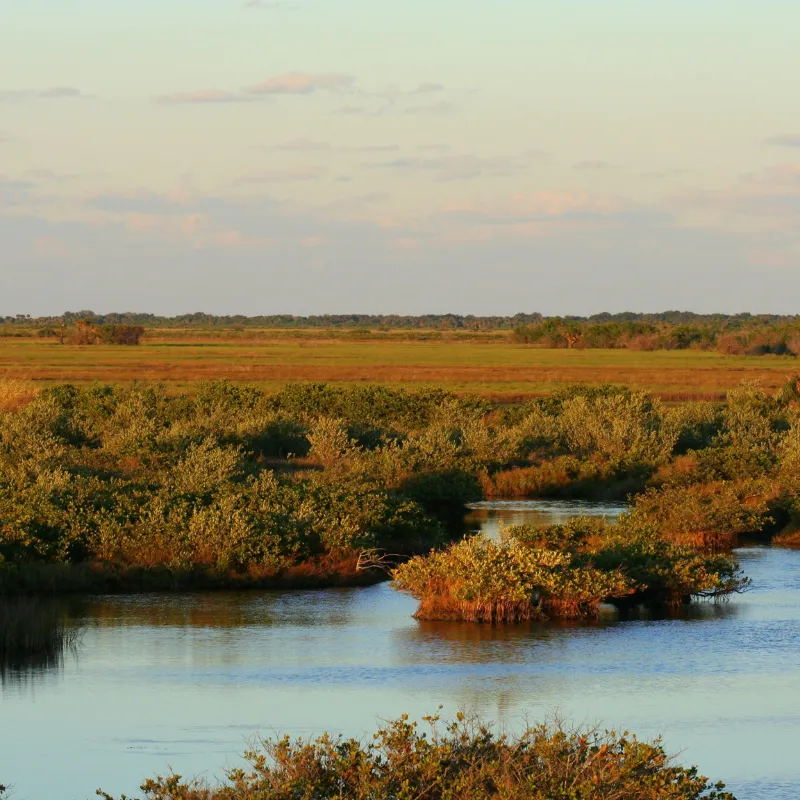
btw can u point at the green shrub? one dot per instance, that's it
(707, 515)
(483, 581)
(627, 429)
(561, 571)
(136, 478)
(461, 760)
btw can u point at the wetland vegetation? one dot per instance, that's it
(460, 760)
(108, 488)
(675, 356)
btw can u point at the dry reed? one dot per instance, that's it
(15, 393)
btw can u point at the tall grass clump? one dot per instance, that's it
(461, 760)
(15, 393)
(34, 633)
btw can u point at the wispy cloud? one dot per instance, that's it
(394, 97)
(51, 93)
(292, 83)
(301, 83)
(203, 97)
(667, 173)
(594, 165)
(359, 111)
(782, 175)
(60, 92)
(372, 148)
(393, 94)
(311, 146)
(454, 168)
(302, 146)
(429, 88)
(442, 107)
(283, 175)
(786, 140)
(138, 203)
(14, 193)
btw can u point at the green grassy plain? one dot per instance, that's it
(488, 364)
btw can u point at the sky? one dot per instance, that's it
(446, 156)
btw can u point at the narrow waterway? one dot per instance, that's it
(184, 681)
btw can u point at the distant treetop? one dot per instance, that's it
(422, 321)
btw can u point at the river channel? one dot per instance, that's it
(185, 681)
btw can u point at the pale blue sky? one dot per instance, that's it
(309, 156)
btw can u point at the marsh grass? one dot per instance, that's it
(35, 633)
(15, 393)
(491, 366)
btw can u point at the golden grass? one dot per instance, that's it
(15, 393)
(494, 611)
(788, 537)
(492, 366)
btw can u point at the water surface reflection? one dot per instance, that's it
(491, 515)
(183, 681)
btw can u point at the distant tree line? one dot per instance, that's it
(86, 331)
(202, 320)
(734, 334)
(650, 323)
(729, 335)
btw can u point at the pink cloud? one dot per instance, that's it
(301, 83)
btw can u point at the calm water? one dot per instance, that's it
(492, 515)
(184, 681)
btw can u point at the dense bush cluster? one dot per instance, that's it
(707, 474)
(87, 332)
(726, 335)
(564, 571)
(230, 483)
(462, 760)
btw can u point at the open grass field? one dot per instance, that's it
(486, 364)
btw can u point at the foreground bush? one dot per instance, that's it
(563, 571)
(464, 760)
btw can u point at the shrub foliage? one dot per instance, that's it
(461, 760)
(229, 483)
